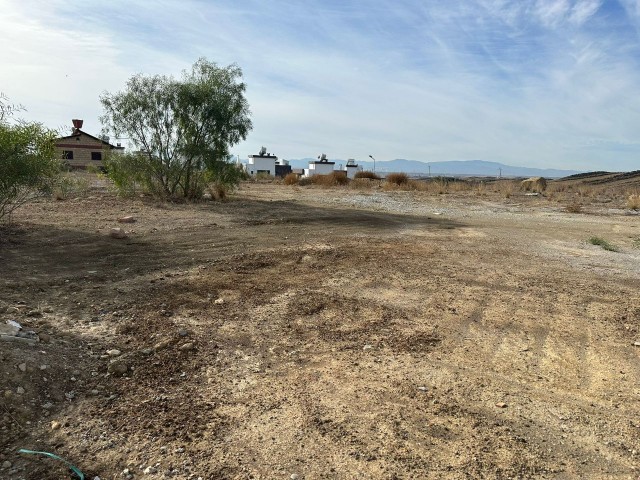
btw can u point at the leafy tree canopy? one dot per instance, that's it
(28, 163)
(183, 127)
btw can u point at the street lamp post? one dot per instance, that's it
(374, 163)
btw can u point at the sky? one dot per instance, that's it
(538, 83)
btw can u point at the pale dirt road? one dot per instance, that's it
(356, 335)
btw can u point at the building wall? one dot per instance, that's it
(82, 146)
(352, 170)
(256, 165)
(320, 168)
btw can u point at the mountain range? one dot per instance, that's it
(452, 168)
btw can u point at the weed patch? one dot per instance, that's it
(603, 243)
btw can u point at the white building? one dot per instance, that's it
(262, 163)
(319, 167)
(352, 168)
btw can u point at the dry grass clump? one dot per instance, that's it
(361, 183)
(330, 180)
(366, 174)
(505, 187)
(218, 191)
(397, 178)
(574, 207)
(534, 184)
(633, 201)
(291, 179)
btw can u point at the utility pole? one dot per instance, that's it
(500, 174)
(374, 163)
(429, 170)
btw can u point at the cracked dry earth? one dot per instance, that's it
(286, 334)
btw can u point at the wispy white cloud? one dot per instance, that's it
(537, 82)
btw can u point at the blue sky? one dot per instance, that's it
(542, 83)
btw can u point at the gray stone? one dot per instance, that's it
(150, 470)
(187, 347)
(22, 367)
(114, 352)
(6, 465)
(118, 368)
(20, 390)
(127, 219)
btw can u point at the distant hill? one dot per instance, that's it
(460, 167)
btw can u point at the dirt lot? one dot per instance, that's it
(321, 333)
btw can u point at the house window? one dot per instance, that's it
(96, 155)
(67, 155)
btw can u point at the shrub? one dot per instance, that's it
(331, 179)
(397, 178)
(127, 171)
(28, 163)
(218, 191)
(574, 207)
(70, 184)
(633, 201)
(361, 183)
(291, 179)
(305, 181)
(366, 174)
(603, 243)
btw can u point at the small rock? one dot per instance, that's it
(45, 337)
(183, 332)
(367, 347)
(422, 389)
(43, 367)
(127, 219)
(146, 351)
(219, 301)
(117, 233)
(114, 352)
(34, 313)
(294, 476)
(636, 344)
(187, 347)
(55, 425)
(501, 405)
(6, 465)
(117, 367)
(149, 470)
(22, 367)
(162, 345)
(47, 406)
(20, 390)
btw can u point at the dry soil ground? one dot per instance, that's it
(309, 333)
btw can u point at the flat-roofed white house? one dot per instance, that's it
(352, 168)
(262, 163)
(322, 166)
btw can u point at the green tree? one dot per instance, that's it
(184, 128)
(28, 163)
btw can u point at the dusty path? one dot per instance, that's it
(323, 334)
